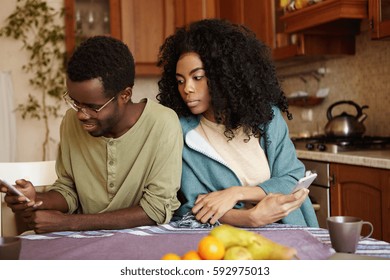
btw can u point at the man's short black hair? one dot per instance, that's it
(106, 58)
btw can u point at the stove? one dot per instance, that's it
(323, 143)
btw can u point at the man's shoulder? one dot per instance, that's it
(70, 119)
(159, 110)
(160, 114)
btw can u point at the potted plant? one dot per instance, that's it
(36, 25)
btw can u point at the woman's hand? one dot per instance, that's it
(212, 206)
(275, 206)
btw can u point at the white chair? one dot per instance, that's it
(40, 173)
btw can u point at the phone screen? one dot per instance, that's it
(305, 182)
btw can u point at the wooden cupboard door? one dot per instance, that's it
(72, 36)
(379, 16)
(359, 191)
(187, 11)
(145, 25)
(256, 15)
(385, 179)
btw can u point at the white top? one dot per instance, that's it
(246, 158)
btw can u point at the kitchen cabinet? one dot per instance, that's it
(142, 25)
(362, 192)
(379, 16)
(323, 13)
(145, 25)
(187, 11)
(85, 18)
(326, 29)
(257, 15)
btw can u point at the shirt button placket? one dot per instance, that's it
(111, 169)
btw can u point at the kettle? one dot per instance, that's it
(345, 125)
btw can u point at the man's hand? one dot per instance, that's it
(42, 221)
(19, 203)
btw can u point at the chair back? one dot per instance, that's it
(39, 173)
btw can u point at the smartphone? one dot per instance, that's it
(12, 189)
(305, 182)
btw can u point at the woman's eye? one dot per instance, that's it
(180, 82)
(198, 77)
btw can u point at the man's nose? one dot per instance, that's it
(81, 115)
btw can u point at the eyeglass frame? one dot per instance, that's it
(72, 104)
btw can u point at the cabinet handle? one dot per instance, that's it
(332, 179)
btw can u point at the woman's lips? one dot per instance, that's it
(192, 103)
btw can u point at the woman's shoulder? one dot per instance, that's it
(277, 118)
(277, 111)
(277, 127)
(189, 123)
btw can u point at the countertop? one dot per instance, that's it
(372, 158)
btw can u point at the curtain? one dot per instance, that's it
(7, 119)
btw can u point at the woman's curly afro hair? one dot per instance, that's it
(105, 58)
(241, 76)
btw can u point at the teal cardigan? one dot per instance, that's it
(204, 171)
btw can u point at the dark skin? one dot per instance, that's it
(46, 212)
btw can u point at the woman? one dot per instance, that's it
(239, 164)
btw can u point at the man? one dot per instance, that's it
(119, 162)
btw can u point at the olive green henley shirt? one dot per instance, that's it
(142, 167)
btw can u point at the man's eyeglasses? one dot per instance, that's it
(87, 110)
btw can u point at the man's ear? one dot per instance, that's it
(126, 94)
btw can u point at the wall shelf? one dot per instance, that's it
(324, 12)
(305, 101)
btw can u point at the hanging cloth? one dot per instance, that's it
(7, 119)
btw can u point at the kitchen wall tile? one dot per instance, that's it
(363, 78)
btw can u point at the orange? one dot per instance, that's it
(211, 248)
(191, 255)
(171, 256)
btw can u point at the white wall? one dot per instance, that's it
(12, 57)
(30, 132)
(145, 87)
